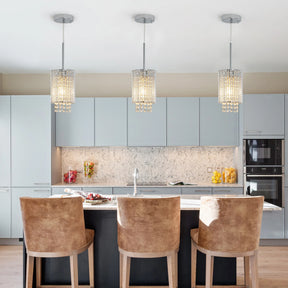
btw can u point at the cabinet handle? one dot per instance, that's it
(202, 191)
(225, 191)
(42, 184)
(41, 190)
(143, 191)
(253, 131)
(4, 190)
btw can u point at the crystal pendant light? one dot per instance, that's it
(62, 82)
(230, 81)
(143, 80)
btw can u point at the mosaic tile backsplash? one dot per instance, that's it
(115, 165)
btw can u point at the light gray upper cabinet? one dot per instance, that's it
(5, 212)
(182, 121)
(147, 128)
(263, 116)
(5, 141)
(110, 121)
(31, 140)
(17, 227)
(217, 128)
(77, 127)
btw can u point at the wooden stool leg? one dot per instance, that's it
(176, 269)
(254, 270)
(29, 271)
(126, 261)
(74, 271)
(38, 271)
(171, 270)
(193, 264)
(91, 264)
(209, 271)
(246, 271)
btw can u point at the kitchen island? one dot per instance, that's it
(103, 219)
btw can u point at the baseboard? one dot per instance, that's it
(11, 241)
(274, 242)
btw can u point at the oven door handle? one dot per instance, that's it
(268, 176)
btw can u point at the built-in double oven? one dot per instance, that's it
(264, 169)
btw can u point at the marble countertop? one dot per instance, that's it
(198, 185)
(186, 203)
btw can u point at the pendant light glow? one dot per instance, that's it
(143, 80)
(62, 82)
(230, 92)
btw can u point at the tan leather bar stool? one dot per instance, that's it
(54, 227)
(148, 228)
(228, 227)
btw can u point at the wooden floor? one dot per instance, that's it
(273, 267)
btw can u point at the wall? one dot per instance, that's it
(118, 85)
(115, 165)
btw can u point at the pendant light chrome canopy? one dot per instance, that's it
(62, 82)
(230, 92)
(143, 80)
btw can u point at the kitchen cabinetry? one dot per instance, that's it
(149, 128)
(77, 127)
(123, 190)
(5, 141)
(5, 213)
(263, 116)
(272, 225)
(110, 121)
(196, 191)
(217, 128)
(99, 190)
(31, 140)
(182, 121)
(17, 227)
(228, 190)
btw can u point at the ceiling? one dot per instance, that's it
(186, 37)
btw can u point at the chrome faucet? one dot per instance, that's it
(135, 175)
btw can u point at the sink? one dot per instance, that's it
(152, 184)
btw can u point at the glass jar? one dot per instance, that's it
(70, 177)
(88, 170)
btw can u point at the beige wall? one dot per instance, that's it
(118, 85)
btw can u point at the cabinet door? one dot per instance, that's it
(123, 190)
(217, 128)
(196, 191)
(5, 141)
(5, 213)
(99, 190)
(263, 115)
(182, 121)
(229, 191)
(158, 191)
(272, 225)
(147, 128)
(31, 140)
(77, 127)
(286, 145)
(110, 121)
(17, 227)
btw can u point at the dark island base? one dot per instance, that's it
(143, 271)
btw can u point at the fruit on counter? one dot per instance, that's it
(216, 178)
(70, 176)
(88, 169)
(230, 175)
(95, 196)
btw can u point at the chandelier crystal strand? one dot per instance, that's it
(143, 80)
(230, 92)
(62, 82)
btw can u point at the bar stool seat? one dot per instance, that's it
(148, 228)
(54, 227)
(228, 227)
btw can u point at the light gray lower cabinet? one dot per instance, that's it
(123, 190)
(77, 127)
(110, 121)
(196, 190)
(159, 191)
(182, 121)
(263, 116)
(217, 128)
(272, 225)
(5, 163)
(228, 190)
(98, 190)
(60, 190)
(5, 213)
(147, 128)
(17, 227)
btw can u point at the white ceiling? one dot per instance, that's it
(186, 37)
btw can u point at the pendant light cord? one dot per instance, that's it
(230, 45)
(63, 45)
(144, 40)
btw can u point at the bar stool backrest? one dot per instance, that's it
(53, 224)
(148, 224)
(230, 224)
